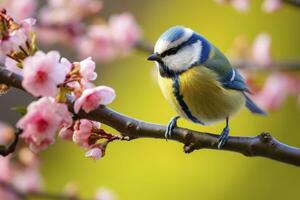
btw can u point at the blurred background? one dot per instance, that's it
(157, 169)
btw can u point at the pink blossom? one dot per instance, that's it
(67, 64)
(61, 11)
(95, 153)
(82, 131)
(93, 97)
(49, 35)
(66, 133)
(4, 195)
(293, 84)
(62, 111)
(5, 169)
(125, 30)
(86, 84)
(19, 9)
(42, 120)
(11, 65)
(270, 6)
(274, 91)
(12, 42)
(261, 50)
(105, 194)
(16, 37)
(240, 5)
(98, 43)
(23, 175)
(42, 73)
(87, 69)
(27, 25)
(28, 179)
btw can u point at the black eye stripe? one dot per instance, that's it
(169, 52)
(173, 50)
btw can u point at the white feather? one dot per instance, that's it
(233, 75)
(184, 58)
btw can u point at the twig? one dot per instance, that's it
(263, 145)
(144, 46)
(293, 2)
(37, 194)
(275, 65)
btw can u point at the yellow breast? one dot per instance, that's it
(203, 95)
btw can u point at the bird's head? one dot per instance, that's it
(177, 49)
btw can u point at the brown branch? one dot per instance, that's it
(144, 46)
(292, 2)
(275, 65)
(263, 145)
(37, 194)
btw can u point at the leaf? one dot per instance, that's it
(62, 92)
(20, 109)
(33, 48)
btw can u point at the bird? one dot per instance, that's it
(198, 81)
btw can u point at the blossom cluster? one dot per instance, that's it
(20, 9)
(20, 174)
(53, 79)
(15, 38)
(106, 41)
(50, 77)
(268, 6)
(77, 23)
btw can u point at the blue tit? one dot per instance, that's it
(198, 81)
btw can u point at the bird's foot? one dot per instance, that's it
(223, 137)
(171, 125)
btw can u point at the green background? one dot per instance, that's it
(155, 169)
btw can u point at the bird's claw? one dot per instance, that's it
(171, 125)
(223, 137)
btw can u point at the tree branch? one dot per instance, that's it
(263, 145)
(293, 2)
(275, 65)
(38, 194)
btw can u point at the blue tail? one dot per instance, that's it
(253, 107)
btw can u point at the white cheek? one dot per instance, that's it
(184, 58)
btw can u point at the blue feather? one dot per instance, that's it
(234, 80)
(176, 32)
(172, 34)
(253, 107)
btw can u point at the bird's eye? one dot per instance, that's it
(171, 51)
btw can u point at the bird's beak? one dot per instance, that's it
(154, 57)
